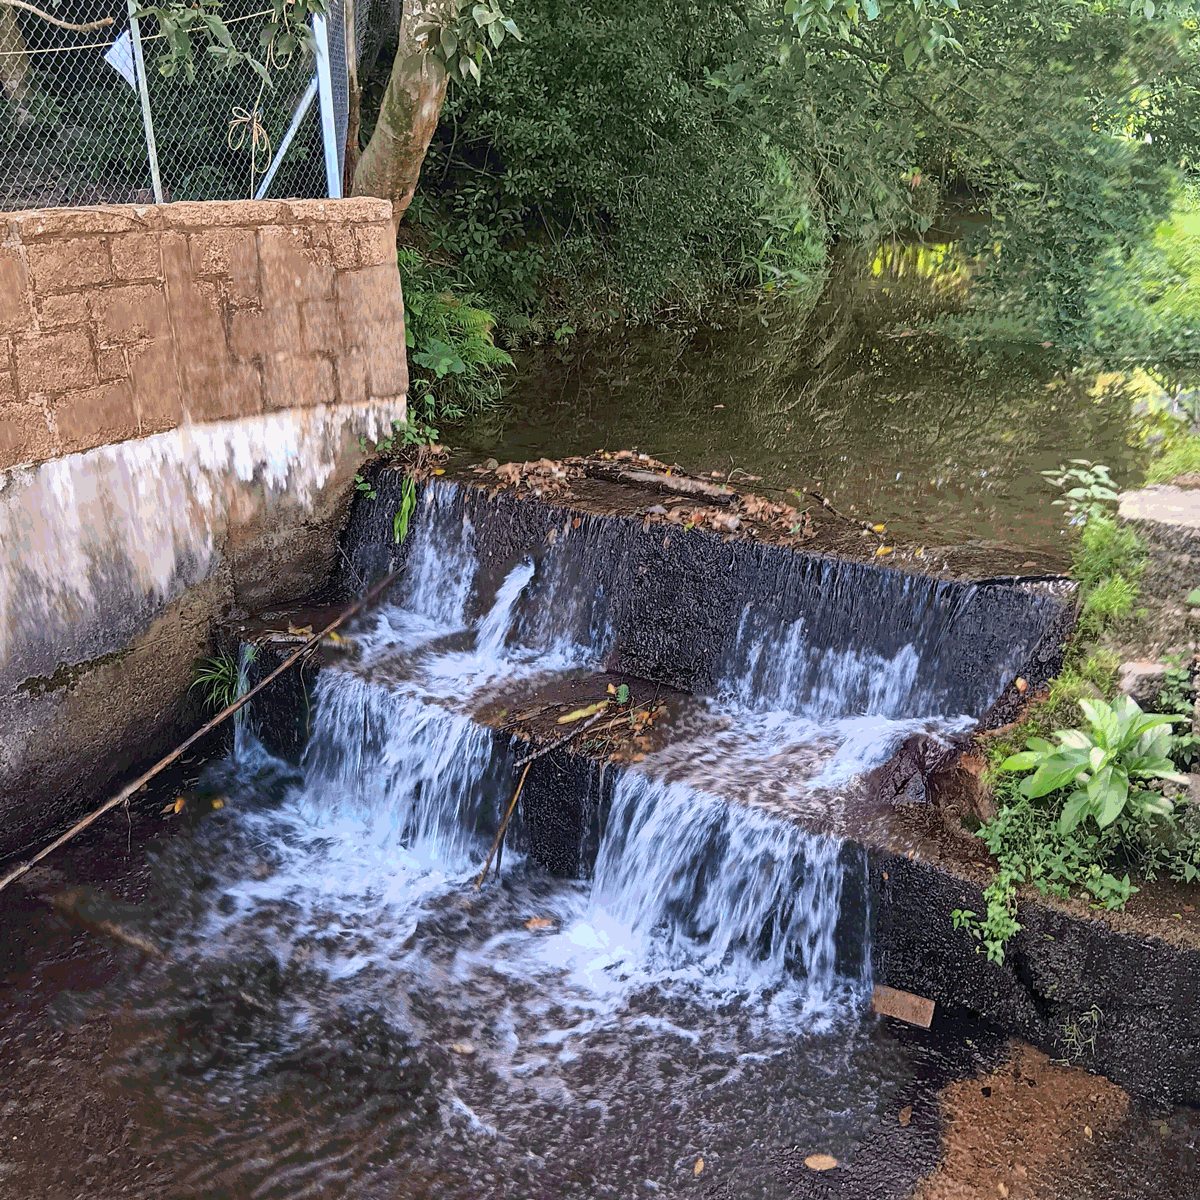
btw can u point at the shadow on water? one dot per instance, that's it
(888, 422)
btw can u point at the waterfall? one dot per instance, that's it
(717, 866)
(734, 890)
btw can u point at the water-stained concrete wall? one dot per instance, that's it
(182, 394)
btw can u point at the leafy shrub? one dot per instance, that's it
(1101, 766)
(597, 172)
(455, 367)
(1087, 487)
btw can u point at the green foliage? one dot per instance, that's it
(456, 368)
(1031, 848)
(1087, 487)
(1085, 821)
(284, 30)
(599, 174)
(405, 435)
(1100, 768)
(1112, 599)
(1090, 115)
(1105, 549)
(1178, 696)
(221, 679)
(465, 39)
(1182, 458)
(408, 503)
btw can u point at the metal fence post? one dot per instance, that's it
(135, 34)
(333, 172)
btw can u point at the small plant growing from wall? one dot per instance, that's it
(222, 678)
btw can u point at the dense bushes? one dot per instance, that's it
(597, 171)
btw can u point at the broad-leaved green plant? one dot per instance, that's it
(1102, 766)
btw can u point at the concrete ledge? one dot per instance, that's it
(1167, 519)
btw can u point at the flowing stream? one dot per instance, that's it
(344, 1014)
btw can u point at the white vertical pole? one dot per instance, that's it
(135, 36)
(333, 173)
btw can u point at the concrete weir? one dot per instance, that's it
(791, 680)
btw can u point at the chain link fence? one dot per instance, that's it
(80, 123)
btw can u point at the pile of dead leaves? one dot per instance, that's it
(746, 514)
(705, 503)
(545, 477)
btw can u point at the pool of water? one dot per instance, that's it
(886, 423)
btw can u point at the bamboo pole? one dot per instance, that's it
(126, 792)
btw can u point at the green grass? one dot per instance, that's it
(1182, 458)
(1105, 549)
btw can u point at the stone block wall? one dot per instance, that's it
(127, 321)
(184, 395)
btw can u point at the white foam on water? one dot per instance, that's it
(694, 898)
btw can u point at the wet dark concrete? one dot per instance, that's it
(1056, 969)
(675, 598)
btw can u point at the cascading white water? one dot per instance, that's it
(729, 889)
(497, 622)
(403, 791)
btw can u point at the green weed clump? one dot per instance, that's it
(1093, 816)
(1090, 817)
(1106, 549)
(1181, 458)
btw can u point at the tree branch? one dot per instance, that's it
(90, 27)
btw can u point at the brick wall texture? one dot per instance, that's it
(125, 321)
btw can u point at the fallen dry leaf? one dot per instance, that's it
(884, 550)
(820, 1162)
(699, 1167)
(906, 1114)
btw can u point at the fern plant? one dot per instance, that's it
(457, 368)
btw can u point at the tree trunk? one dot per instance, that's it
(391, 164)
(354, 103)
(14, 62)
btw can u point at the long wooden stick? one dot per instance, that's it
(162, 763)
(561, 741)
(503, 827)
